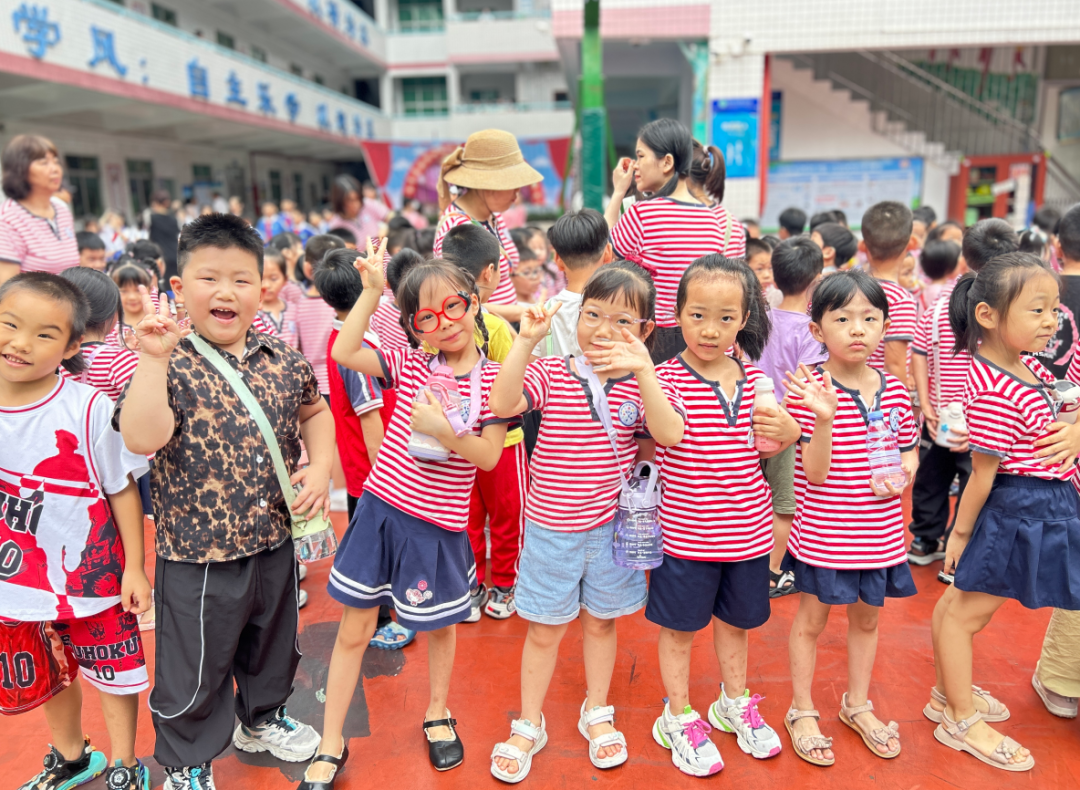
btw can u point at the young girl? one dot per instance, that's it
(275, 310)
(1017, 533)
(847, 542)
(407, 544)
(566, 569)
(128, 276)
(108, 368)
(716, 513)
(708, 176)
(291, 247)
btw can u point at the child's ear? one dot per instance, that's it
(177, 285)
(815, 332)
(914, 243)
(647, 329)
(862, 247)
(74, 347)
(829, 254)
(985, 316)
(559, 263)
(609, 254)
(885, 327)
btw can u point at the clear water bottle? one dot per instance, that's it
(950, 420)
(765, 397)
(884, 454)
(639, 541)
(444, 387)
(1068, 396)
(313, 537)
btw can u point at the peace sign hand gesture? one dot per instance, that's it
(157, 334)
(371, 267)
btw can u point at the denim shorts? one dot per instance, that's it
(560, 572)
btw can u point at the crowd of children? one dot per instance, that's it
(650, 337)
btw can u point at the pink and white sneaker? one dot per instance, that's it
(740, 716)
(687, 736)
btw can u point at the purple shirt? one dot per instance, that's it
(789, 344)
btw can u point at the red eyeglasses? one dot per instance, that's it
(454, 308)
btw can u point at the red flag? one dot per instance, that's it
(558, 148)
(378, 161)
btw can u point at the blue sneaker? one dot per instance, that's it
(61, 774)
(392, 637)
(198, 777)
(122, 777)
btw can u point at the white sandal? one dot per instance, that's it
(596, 716)
(524, 728)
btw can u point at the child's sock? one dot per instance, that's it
(725, 699)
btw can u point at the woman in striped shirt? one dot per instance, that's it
(1016, 534)
(670, 229)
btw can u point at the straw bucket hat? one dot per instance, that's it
(490, 159)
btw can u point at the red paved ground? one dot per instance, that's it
(389, 750)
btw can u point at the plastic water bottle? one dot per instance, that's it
(313, 538)
(1068, 395)
(765, 397)
(884, 454)
(639, 541)
(444, 387)
(950, 420)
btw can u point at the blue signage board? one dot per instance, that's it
(735, 133)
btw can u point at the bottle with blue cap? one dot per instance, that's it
(884, 453)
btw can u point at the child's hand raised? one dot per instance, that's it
(157, 333)
(371, 267)
(536, 322)
(818, 396)
(630, 354)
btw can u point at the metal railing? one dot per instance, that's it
(496, 107)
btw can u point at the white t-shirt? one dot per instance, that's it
(562, 340)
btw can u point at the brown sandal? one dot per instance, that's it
(954, 735)
(804, 744)
(879, 735)
(996, 710)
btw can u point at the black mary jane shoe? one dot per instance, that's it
(444, 755)
(337, 762)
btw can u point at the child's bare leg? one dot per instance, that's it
(731, 649)
(600, 644)
(862, 639)
(781, 529)
(121, 712)
(810, 621)
(967, 613)
(64, 714)
(674, 649)
(442, 644)
(538, 660)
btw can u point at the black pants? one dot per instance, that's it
(384, 610)
(669, 343)
(218, 623)
(930, 491)
(144, 494)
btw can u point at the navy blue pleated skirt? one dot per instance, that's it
(841, 587)
(1026, 544)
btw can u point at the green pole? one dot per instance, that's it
(593, 115)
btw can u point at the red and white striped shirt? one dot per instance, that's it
(386, 323)
(314, 323)
(666, 236)
(284, 328)
(574, 474)
(436, 491)
(35, 243)
(903, 316)
(954, 368)
(109, 369)
(716, 505)
(736, 245)
(504, 293)
(1005, 416)
(841, 523)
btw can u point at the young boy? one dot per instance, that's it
(886, 229)
(226, 571)
(360, 407)
(792, 223)
(939, 262)
(941, 377)
(796, 267)
(498, 496)
(270, 223)
(582, 245)
(71, 542)
(759, 257)
(91, 250)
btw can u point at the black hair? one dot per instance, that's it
(316, 248)
(89, 241)
(793, 220)
(630, 283)
(412, 281)
(579, 238)
(284, 241)
(757, 247)
(796, 263)
(837, 290)
(521, 238)
(709, 171)
(926, 215)
(344, 234)
(987, 239)
(101, 294)
(343, 186)
(273, 255)
(55, 287)
(1032, 240)
(471, 247)
(886, 230)
(939, 259)
(221, 231)
(145, 250)
(821, 218)
(399, 264)
(998, 284)
(939, 230)
(425, 242)
(130, 272)
(755, 334)
(1046, 219)
(337, 281)
(840, 217)
(667, 136)
(398, 222)
(842, 240)
(769, 239)
(1068, 233)
(400, 238)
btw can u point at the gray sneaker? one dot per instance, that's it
(198, 777)
(282, 736)
(500, 604)
(476, 605)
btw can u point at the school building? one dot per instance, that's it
(971, 106)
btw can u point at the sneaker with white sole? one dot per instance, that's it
(944, 578)
(197, 777)
(301, 599)
(501, 604)
(61, 774)
(740, 716)
(301, 572)
(283, 736)
(476, 604)
(687, 737)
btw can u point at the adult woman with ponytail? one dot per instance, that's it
(478, 182)
(668, 230)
